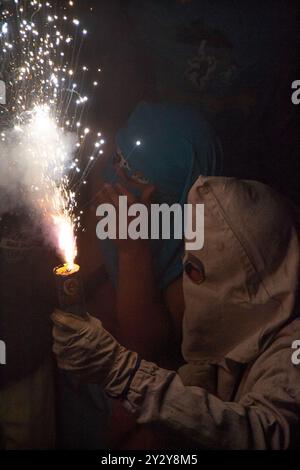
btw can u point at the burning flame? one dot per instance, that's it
(66, 239)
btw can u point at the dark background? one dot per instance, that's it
(143, 48)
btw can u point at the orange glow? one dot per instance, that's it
(66, 239)
(64, 270)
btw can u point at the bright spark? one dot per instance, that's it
(41, 120)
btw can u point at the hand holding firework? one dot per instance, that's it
(84, 347)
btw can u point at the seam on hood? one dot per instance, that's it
(241, 240)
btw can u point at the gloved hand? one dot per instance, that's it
(85, 348)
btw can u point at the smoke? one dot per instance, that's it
(35, 158)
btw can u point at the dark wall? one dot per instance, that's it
(151, 50)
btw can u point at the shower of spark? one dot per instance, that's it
(66, 239)
(43, 136)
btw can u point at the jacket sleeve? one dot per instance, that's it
(265, 417)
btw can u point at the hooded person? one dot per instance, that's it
(167, 146)
(239, 388)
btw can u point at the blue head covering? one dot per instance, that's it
(176, 146)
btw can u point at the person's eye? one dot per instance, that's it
(194, 269)
(120, 160)
(124, 164)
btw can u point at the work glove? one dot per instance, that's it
(86, 349)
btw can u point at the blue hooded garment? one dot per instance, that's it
(176, 146)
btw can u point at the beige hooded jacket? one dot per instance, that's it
(239, 388)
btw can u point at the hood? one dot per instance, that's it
(249, 272)
(177, 145)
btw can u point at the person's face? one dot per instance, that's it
(127, 173)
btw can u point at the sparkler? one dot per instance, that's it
(43, 137)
